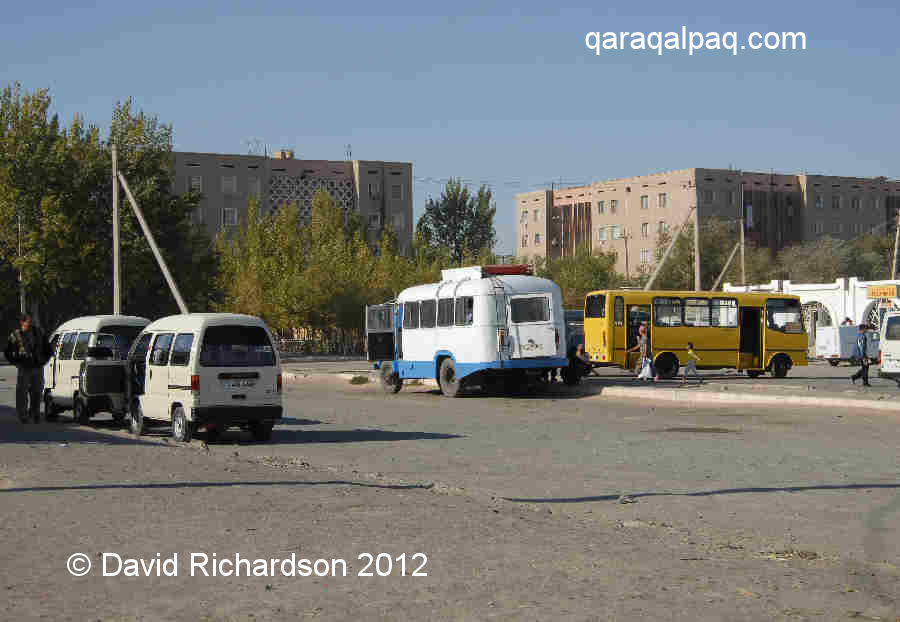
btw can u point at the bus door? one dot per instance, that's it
(532, 327)
(380, 332)
(636, 315)
(751, 338)
(619, 332)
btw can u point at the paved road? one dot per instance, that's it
(737, 514)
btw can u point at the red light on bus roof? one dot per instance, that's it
(507, 269)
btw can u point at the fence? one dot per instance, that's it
(340, 343)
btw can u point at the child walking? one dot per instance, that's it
(691, 365)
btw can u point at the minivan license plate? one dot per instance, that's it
(230, 385)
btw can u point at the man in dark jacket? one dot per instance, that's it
(27, 348)
(863, 357)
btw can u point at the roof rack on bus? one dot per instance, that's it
(479, 272)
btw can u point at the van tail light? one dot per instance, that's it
(278, 383)
(879, 357)
(501, 337)
(557, 339)
(195, 383)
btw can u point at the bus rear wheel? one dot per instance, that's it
(667, 365)
(390, 380)
(448, 380)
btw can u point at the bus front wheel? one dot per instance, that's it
(390, 380)
(780, 366)
(447, 378)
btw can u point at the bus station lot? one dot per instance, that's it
(564, 505)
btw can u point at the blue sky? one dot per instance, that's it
(486, 91)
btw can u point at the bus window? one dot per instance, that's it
(619, 311)
(411, 315)
(667, 311)
(784, 315)
(427, 312)
(595, 306)
(723, 312)
(445, 312)
(465, 307)
(696, 312)
(536, 309)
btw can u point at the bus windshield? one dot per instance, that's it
(784, 316)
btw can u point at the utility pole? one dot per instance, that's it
(741, 222)
(117, 276)
(727, 265)
(625, 237)
(662, 260)
(22, 282)
(896, 243)
(697, 250)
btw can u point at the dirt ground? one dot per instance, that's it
(517, 505)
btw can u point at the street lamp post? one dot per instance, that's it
(21, 281)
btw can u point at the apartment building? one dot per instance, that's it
(379, 192)
(626, 215)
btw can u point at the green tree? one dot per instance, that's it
(816, 261)
(459, 221)
(577, 275)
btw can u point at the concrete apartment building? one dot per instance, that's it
(626, 215)
(379, 192)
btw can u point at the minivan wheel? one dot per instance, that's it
(136, 418)
(181, 429)
(448, 380)
(780, 366)
(262, 432)
(80, 411)
(667, 365)
(51, 413)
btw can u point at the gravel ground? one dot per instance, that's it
(527, 508)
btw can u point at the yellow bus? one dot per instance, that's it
(755, 332)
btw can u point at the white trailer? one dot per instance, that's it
(838, 343)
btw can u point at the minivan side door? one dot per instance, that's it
(50, 366)
(64, 390)
(155, 400)
(180, 369)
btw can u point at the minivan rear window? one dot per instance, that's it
(125, 336)
(892, 330)
(236, 346)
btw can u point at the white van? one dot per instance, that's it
(215, 370)
(890, 346)
(86, 370)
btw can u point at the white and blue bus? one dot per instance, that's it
(478, 325)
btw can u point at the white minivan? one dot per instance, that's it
(212, 370)
(86, 370)
(890, 346)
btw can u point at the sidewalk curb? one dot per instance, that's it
(699, 398)
(372, 376)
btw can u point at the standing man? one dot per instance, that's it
(862, 356)
(27, 348)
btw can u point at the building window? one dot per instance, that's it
(396, 192)
(730, 197)
(613, 204)
(195, 183)
(524, 217)
(253, 186)
(599, 207)
(229, 184)
(876, 202)
(820, 202)
(662, 227)
(229, 217)
(645, 229)
(537, 239)
(374, 190)
(374, 221)
(399, 222)
(645, 201)
(838, 227)
(819, 227)
(661, 199)
(854, 203)
(537, 215)
(524, 240)
(836, 201)
(645, 255)
(616, 232)
(601, 234)
(708, 196)
(197, 216)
